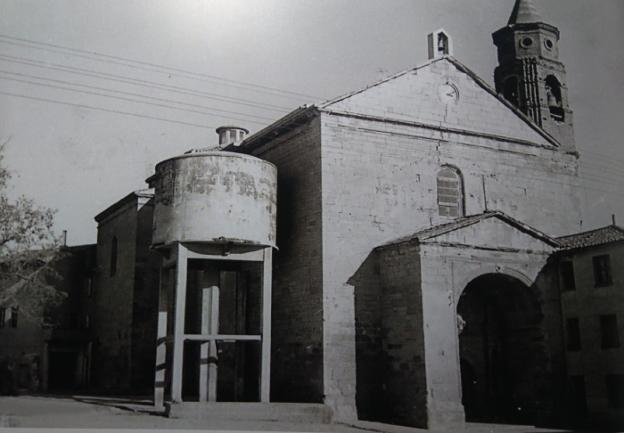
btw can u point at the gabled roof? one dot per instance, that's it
(326, 106)
(139, 194)
(524, 12)
(592, 238)
(302, 114)
(460, 223)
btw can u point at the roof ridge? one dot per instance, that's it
(468, 220)
(331, 101)
(586, 232)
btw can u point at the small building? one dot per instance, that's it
(124, 302)
(591, 272)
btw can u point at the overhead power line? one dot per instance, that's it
(154, 67)
(108, 110)
(143, 83)
(245, 119)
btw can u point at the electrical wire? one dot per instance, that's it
(154, 67)
(127, 99)
(140, 82)
(90, 107)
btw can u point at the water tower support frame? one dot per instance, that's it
(177, 263)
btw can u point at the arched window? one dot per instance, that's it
(553, 94)
(450, 192)
(113, 256)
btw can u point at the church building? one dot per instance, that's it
(415, 227)
(388, 255)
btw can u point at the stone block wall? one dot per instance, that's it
(379, 183)
(297, 317)
(404, 381)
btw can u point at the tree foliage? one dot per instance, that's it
(28, 249)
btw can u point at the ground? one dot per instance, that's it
(117, 414)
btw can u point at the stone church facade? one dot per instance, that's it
(367, 323)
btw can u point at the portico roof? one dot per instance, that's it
(430, 233)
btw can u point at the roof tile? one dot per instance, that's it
(592, 238)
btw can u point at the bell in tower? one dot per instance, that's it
(530, 75)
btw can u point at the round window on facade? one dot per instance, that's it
(526, 42)
(549, 44)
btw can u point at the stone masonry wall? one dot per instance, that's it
(297, 319)
(446, 271)
(379, 183)
(403, 350)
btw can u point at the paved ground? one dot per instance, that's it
(77, 413)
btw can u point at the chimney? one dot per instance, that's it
(231, 135)
(440, 44)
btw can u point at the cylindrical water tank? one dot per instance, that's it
(215, 197)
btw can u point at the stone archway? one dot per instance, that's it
(501, 347)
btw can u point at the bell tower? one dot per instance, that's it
(529, 73)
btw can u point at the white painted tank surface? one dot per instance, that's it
(216, 197)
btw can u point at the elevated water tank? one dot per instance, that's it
(216, 197)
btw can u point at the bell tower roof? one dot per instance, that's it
(524, 12)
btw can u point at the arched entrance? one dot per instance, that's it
(501, 346)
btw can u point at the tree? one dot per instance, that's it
(28, 249)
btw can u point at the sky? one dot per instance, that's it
(94, 93)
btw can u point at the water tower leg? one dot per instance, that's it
(161, 342)
(208, 349)
(265, 375)
(178, 324)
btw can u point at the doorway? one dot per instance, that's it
(502, 354)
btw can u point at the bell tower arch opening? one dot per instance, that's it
(502, 354)
(528, 49)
